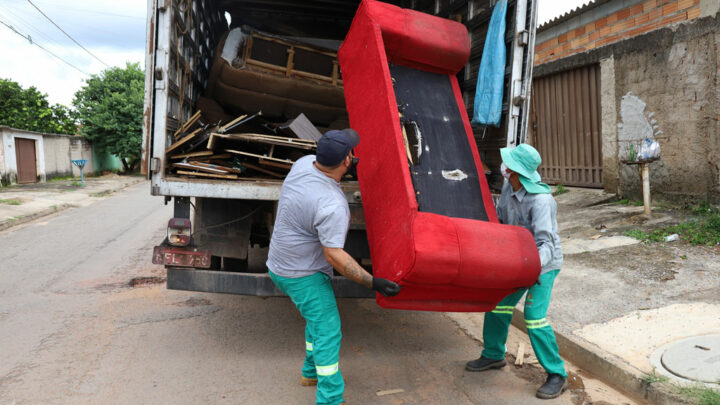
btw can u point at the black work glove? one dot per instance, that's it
(385, 287)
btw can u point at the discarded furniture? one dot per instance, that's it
(430, 218)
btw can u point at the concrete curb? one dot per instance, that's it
(9, 223)
(608, 368)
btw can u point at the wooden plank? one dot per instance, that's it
(290, 62)
(182, 141)
(214, 166)
(192, 154)
(295, 72)
(520, 357)
(220, 156)
(294, 45)
(273, 163)
(261, 157)
(201, 168)
(216, 176)
(224, 128)
(184, 127)
(262, 170)
(265, 139)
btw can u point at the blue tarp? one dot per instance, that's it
(489, 90)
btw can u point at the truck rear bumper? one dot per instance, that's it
(248, 283)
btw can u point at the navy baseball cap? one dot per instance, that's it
(335, 145)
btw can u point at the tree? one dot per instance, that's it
(30, 110)
(109, 108)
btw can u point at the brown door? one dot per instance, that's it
(26, 164)
(566, 126)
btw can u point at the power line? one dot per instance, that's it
(66, 34)
(41, 47)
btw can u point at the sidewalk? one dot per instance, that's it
(22, 203)
(618, 305)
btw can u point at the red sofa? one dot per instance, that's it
(430, 218)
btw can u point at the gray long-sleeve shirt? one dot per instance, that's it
(536, 213)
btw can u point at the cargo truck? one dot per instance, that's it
(273, 60)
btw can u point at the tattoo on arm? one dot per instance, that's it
(357, 273)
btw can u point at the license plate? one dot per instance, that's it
(181, 258)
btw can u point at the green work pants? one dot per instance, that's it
(314, 298)
(542, 337)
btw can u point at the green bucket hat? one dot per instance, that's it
(524, 160)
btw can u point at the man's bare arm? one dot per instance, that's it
(347, 266)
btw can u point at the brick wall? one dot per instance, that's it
(629, 22)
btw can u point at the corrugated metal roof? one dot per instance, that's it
(572, 13)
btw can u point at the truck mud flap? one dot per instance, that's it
(248, 283)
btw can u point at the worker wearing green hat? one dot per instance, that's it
(527, 202)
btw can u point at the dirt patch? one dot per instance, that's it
(194, 302)
(633, 263)
(146, 281)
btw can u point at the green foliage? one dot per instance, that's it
(10, 201)
(702, 395)
(560, 189)
(653, 378)
(109, 107)
(30, 110)
(76, 183)
(625, 201)
(705, 231)
(61, 178)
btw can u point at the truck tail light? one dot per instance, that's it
(178, 231)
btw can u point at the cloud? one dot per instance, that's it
(114, 31)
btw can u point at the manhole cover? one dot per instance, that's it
(697, 359)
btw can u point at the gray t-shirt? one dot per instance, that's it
(312, 212)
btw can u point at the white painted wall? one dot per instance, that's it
(9, 135)
(53, 154)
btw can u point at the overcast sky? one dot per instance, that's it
(113, 30)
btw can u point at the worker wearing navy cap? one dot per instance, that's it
(307, 243)
(527, 202)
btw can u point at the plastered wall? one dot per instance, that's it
(53, 154)
(669, 91)
(664, 84)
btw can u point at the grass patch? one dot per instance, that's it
(100, 194)
(61, 178)
(560, 189)
(76, 183)
(10, 201)
(702, 395)
(626, 201)
(653, 378)
(704, 230)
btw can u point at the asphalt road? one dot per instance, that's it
(73, 329)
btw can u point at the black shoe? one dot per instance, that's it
(553, 387)
(483, 364)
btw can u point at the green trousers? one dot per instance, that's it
(542, 337)
(314, 298)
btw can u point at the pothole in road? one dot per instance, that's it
(696, 359)
(146, 281)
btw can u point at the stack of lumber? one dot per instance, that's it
(247, 147)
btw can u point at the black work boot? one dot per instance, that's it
(553, 387)
(483, 363)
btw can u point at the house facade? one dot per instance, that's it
(29, 157)
(614, 72)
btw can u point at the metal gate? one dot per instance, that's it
(25, 158)
(567, 126)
